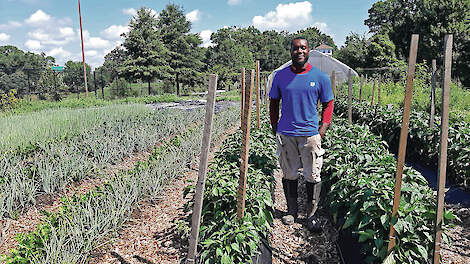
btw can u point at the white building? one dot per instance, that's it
(325, 49)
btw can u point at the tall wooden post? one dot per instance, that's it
(349, 97)
(373, 93)
(333, 83)
(245, 148)
(83, 52)
(257, 94)
(433, 94)
(360, 89)
(403, 135)
(448, 39)
(242, 102)
(201, 178)
(379, 89)
(266, 98)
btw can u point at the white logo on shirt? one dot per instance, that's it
(312, 84)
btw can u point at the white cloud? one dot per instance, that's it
(193, 16)
(38, 18)
(39, 35)
(154, 13)
(91, 53)
(4, 37)
(33, 44)
(66, 32)
(59, 52)
(10, 25)
(291, 17)
(129, 11)
(322, 26)
(233, 2)
(114, 31)
(94, 42)
(206, 38)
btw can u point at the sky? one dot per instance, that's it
(53, 27)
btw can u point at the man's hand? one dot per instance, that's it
(322, 129)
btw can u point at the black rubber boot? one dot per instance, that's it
(313, 198)
(291, 194)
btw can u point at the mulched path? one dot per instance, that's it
(295, 244)
(458, 252)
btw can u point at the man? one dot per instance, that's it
(299, 87)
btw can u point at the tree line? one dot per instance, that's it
(392, 22)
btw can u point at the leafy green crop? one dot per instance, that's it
(361, 176)
(423, 142)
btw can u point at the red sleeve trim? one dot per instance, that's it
(327, 112)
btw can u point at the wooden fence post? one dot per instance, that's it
(102, 84)
(373, 93)
(242, 102)
(403, 135)
(257, 94)
(350, 97)
(360, 89)
(245, 148)
(448, 39)
(379, 89)
(433, 94)
(266, 101)
(201, 179)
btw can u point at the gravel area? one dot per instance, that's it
(458, 252)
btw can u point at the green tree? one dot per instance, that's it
(354, 52)
(186, 57)
(314, 38)
(380, 51)
(113, 61)
(73, 75)
(146, 55)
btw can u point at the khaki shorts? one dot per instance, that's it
(297, 152)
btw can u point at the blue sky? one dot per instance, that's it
(52, 26)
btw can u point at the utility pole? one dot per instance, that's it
(83, 52)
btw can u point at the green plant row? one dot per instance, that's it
(223, 238)
(360, 173)
(54, 165)
(423, 142)
(85, 221)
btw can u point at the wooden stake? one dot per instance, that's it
(242, 102)
(360, 89)
(245, 148)
(448, 39)
(257, 94)
(266, 101)
(433, 94)
(333, 83)
(379, 89)
(199, 195)
(403, 135)
(373, 93)
(349, 97)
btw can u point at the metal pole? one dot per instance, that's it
(448, 39)
(403, 135)
(199, 195)
(94, 82)
(83, 52)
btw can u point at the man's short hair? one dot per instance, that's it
(296, 38)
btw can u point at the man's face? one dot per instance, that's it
(299, 52)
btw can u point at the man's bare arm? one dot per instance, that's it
(274, 113)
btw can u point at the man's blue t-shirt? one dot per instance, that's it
(299, 94)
